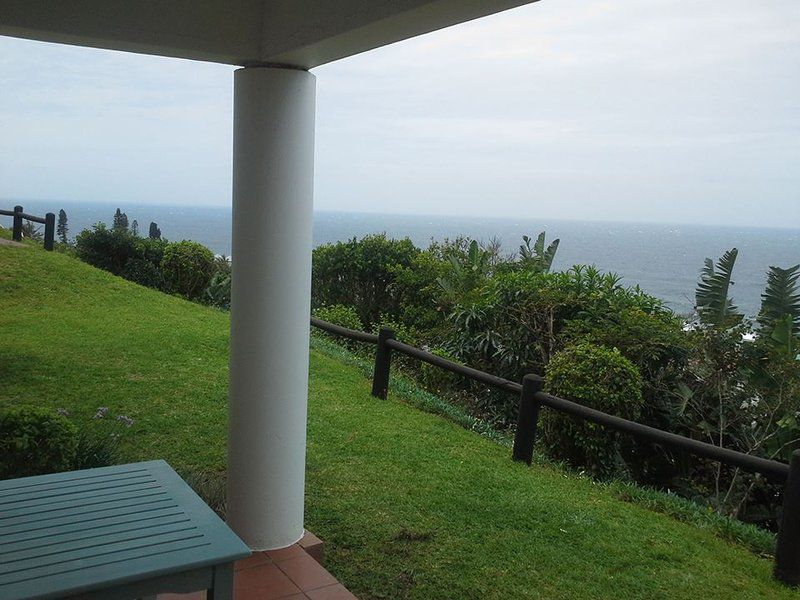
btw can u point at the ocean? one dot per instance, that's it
(664, 259)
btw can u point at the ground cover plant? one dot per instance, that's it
(412, 505)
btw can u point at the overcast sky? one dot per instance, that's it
(666, 110)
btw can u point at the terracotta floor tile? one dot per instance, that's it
(331, 592)
(292, 551)
(306, 572)
(254, 560)
(264, 582)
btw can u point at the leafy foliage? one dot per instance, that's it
(108, 249)
(362, 274)
(339, 314)
(437, 380)
(467, 272)
(34, 442)
(780, 304)
(714, 304)
(600, 378)
(218, 292)
(187, 268)
(143, 272)
(537, 258)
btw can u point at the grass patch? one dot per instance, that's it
(411, 504)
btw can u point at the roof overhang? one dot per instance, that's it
(300, 33)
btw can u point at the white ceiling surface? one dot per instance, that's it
(301, 33)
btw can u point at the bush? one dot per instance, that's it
(151, 250)
(600, 378)
(35, 442)
(659, 348)
(187, 268)
(344, 316)
(362, 273)
(144, 273)
(339, 314)
(107, 249)
(437, 380)
(218, 292)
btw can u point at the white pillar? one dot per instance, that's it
(273, 181)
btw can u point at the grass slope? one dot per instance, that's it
(411, 504)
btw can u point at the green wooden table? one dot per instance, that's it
(122, 532)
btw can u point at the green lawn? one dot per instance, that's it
(410, 504)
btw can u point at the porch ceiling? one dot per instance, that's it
(302, 33)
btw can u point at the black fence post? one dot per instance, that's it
(525, 437)
(787, 552)
(383, 360)
(16, 233)
(49, 230)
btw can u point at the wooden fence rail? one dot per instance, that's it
(533, 397)
(49, 222)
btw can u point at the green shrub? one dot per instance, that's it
(362, 273)
(659, 348)
(35, 442)
(151, 250)
(187, 268)
(339, 314)
(600, 378)
(108, 249)
(437, 380)
(218, 292)
(144, 273)
(344, 316)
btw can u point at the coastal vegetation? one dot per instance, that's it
(411, 505)
(714, 376)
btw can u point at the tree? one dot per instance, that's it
(155, 232)
(714, 305)
(537, 258)
(62, 228)
(135, 228)
(120, 221)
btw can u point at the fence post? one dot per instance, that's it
(787, 552)
(16, 233)
(49, 230)
(383, 360)
(525, 437)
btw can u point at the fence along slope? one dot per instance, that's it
(787, 555)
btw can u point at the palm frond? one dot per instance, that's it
(714, 304)
(780, 302)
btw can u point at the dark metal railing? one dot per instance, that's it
(49, 222)
(533, 397)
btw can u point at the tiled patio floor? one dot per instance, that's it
(292, 573)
